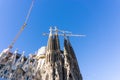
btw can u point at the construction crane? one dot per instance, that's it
(64, 33)
(6, 51)
(23, 26)
(57, 30)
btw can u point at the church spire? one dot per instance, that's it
(50, 44)
(56, 40)
(71, 64)
(50, 47)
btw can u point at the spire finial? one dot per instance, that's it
(56, 29)
(23, 53)
(16, 51)
(50, 30)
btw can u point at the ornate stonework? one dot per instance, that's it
(50, 63)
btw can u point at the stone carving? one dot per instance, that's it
(50, 63)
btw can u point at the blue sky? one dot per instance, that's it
(98, 53)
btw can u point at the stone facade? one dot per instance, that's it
(52, 64)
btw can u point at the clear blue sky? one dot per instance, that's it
(98, 53)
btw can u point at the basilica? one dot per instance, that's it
(50, 62)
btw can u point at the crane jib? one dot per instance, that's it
(23, 27)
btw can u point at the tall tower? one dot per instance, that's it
(54, 57)
(63, 65)
(71, 70)
(50, 57)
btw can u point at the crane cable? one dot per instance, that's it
(23, 26)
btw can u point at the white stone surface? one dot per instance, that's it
(6, 50)
(41, 51)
